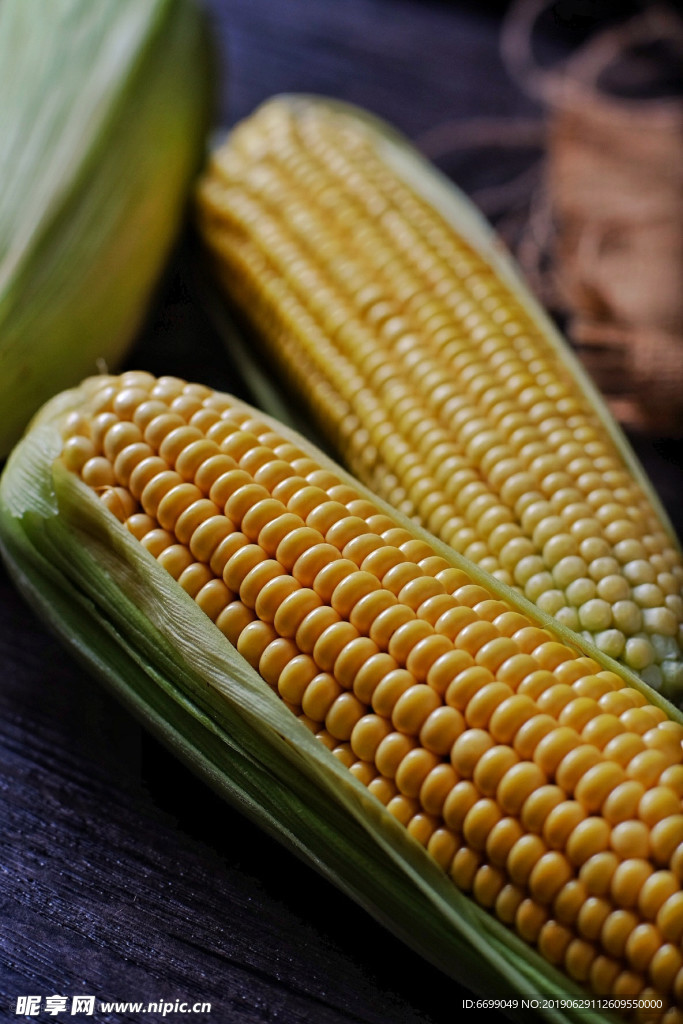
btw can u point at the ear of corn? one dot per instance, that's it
(104, 112)
(507, 803)
(404, 331)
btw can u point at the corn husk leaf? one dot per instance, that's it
(104, 109)
(134, 627)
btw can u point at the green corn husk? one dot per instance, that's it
(135, 628)
(105, 107)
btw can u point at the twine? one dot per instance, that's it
(597, 221)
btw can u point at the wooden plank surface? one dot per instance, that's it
(121, 876)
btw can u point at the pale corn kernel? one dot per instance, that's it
(580, 591)
(569, 618)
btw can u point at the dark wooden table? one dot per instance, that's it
(121, 876)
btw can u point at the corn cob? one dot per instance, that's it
(543, 784)
(404, 331)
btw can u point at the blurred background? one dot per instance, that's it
(120, 875)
